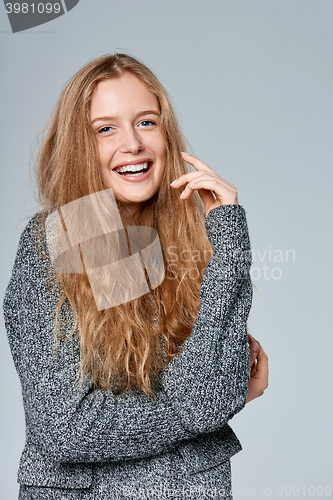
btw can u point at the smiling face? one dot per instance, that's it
(125, 117)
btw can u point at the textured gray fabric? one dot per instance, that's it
(98, 445)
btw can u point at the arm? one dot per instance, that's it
(66, 424)
(87, 426)
(208, 381)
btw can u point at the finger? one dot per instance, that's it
(211, 181)
(208, 181)
(253, 368)
(194, 176)
(253, 357)
(225, 195)
(254, 348)
(262, 367)
(203, 188)
(204, 179)
(198, 164)
(207, 197)
(252, 340)
(253, 353)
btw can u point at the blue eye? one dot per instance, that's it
(105, 129)
(146, 123)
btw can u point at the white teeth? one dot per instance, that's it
(132, 168)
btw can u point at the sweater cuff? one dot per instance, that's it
(227, 231)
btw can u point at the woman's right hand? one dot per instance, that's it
(258, 380)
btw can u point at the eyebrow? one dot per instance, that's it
(141, 113)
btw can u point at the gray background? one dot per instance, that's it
(252, 83)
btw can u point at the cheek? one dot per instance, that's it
(106, 148)
(161, 149)
(156, 143)
(101, 152)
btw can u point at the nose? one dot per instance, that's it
(131, 141)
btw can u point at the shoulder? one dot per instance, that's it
(32, 248)
(33, 227)
(33, 237)
(32, 270)
(23, 270)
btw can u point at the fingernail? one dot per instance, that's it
(192, 184)
(173, 182)
(183, 153)
(255, 346)
(181, 196)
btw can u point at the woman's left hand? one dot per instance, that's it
(208, 184)
(258, 381)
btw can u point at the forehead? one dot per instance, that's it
(120, 95)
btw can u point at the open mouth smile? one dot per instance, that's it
(136, 172)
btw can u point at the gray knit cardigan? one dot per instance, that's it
(95, 444)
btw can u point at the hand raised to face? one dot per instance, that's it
(214, 190)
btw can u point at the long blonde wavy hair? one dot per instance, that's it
(127, 346)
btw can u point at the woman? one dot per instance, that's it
(159, 375)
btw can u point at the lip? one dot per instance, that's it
(135, 178)
(133, 162)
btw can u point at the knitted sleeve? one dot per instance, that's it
(201, 388)
(207, 382)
